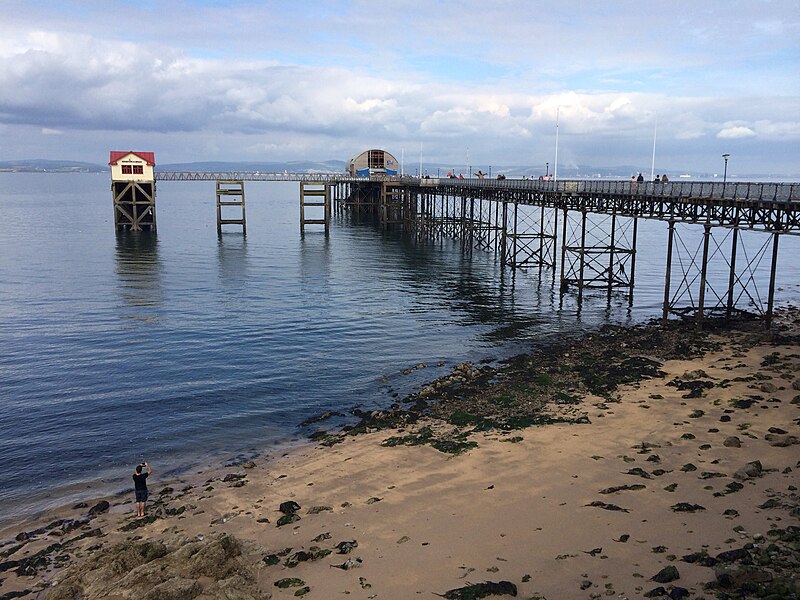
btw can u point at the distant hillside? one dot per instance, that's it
(40, 165)
(432, 169)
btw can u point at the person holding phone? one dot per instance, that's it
(140, 487)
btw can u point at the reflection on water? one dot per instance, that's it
(138, 272)
(315, 262)
(232, 260)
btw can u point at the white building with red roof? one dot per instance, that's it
(127, 165)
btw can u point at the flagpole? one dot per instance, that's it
(653, 163)
(555, 167)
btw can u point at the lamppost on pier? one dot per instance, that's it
(490, 171)
(547, 169)
(725, 173)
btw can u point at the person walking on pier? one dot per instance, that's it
(664, 178)
(657, 179)
(140, 487)
(640, 178)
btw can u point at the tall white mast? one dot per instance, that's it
(555, 164)
(420, 160)
(653, 164)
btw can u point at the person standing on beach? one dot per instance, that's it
(140, 487)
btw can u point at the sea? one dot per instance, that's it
(190, 350)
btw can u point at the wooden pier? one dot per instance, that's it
(583, 232)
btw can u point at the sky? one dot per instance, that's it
(463, 83)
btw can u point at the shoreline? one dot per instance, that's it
(548, 483)
(111, 487)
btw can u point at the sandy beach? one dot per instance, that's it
(679, 481)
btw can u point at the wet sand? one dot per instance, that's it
(535, 507)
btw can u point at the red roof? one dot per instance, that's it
(148, 157)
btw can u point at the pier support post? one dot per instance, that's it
(633, 260)
(516, 231)
(611, 254)
(598, 251)
(563, 285)
(504, 240)
(230, 193)
(320, 196)
(772, 272)
(582, 256)
(134, 205)
(703, 287)
(670, 238)
(533, 237)
(732, 276)
(703, 274)
(392, 204)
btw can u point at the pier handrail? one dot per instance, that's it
(749, 191)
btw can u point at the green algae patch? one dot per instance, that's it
(461, 418)
(423, 436)
(453, 446)
(287, 519)
(139, 523)
(622, 488)
(449, 444)
(288, 582)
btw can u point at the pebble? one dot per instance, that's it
(732, 442)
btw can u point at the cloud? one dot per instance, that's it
(49, 131)
(336, 77)
(732, 133)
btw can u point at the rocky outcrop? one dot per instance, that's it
(175, 569)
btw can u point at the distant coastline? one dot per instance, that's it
(433, 169)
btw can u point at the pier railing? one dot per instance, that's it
(750, 191)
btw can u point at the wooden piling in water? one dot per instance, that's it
(230, 193)
(315, 194)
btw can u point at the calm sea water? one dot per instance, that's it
(185, 349)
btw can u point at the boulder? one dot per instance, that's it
(750, 470)
(99, 508)
(734, 576)
(665, 575)
(289, 507)
(781, 441)
(732, 442)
